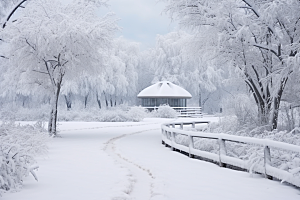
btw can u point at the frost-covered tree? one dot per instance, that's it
(145, 70)
(69, 88)
(179, 60)
(260, 38)
(55, 42)
(128, 53)
(119, 81)
(9, 7)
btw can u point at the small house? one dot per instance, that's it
(164, 92)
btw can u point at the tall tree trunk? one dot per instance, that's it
(106, 101)
(200, 99)
(86, 99)
(68, 101)
(111, 101)
(98, 100)
(56, 73)
(53, 113)
(276, 103)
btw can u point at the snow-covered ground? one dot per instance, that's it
(114, 161)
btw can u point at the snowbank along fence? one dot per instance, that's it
(168, 139)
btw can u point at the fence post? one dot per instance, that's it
(172, 141)
(162, 136)
(191, 146)
(222, 151)
(166, 137)
(181, 125)
(267, 161)
(208, 127)
(193, 125)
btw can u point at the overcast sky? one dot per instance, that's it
(141, 20)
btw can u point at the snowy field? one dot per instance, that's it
(115, 161)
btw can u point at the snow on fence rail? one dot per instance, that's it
(168, 139)
(184, 111)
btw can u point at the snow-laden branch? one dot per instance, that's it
(19, 5)
(40, 72)
(268, 49)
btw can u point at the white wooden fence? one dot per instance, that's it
(184, 111)
(168, 139)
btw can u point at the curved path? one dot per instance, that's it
(126, 161)
(141, 180)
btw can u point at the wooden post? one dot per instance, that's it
(173, 141)
(162, 136)
(165, 135)
(267, 161)
(222, 151)
(181, 125)
(208, 127)
(191, 146)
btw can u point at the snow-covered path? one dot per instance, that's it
(115, 161)
(140, 179)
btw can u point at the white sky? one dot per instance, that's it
(141, 20)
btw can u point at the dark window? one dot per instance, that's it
(155, 102)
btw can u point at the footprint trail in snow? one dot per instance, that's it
(141, 181)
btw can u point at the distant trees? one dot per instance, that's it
(119, 81)
(259, 38)
(59, 42)
(178, 58)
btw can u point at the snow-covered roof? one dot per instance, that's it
(164, 89)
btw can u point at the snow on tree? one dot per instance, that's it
(55, 42)
(144, 69)
(119, 81)
(177, 60)
(128, 52)
(260, 38)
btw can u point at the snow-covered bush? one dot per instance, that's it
(226, 124)
(115, 114)
(165, 111)
(137, 113)
(243, 107)
(10, 112)
(18, 147)
(282, 159)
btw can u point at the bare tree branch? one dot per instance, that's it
(13, 11)
(269, 49)
(40, 72)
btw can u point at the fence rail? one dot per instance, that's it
(168, 139)
(184, 111)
